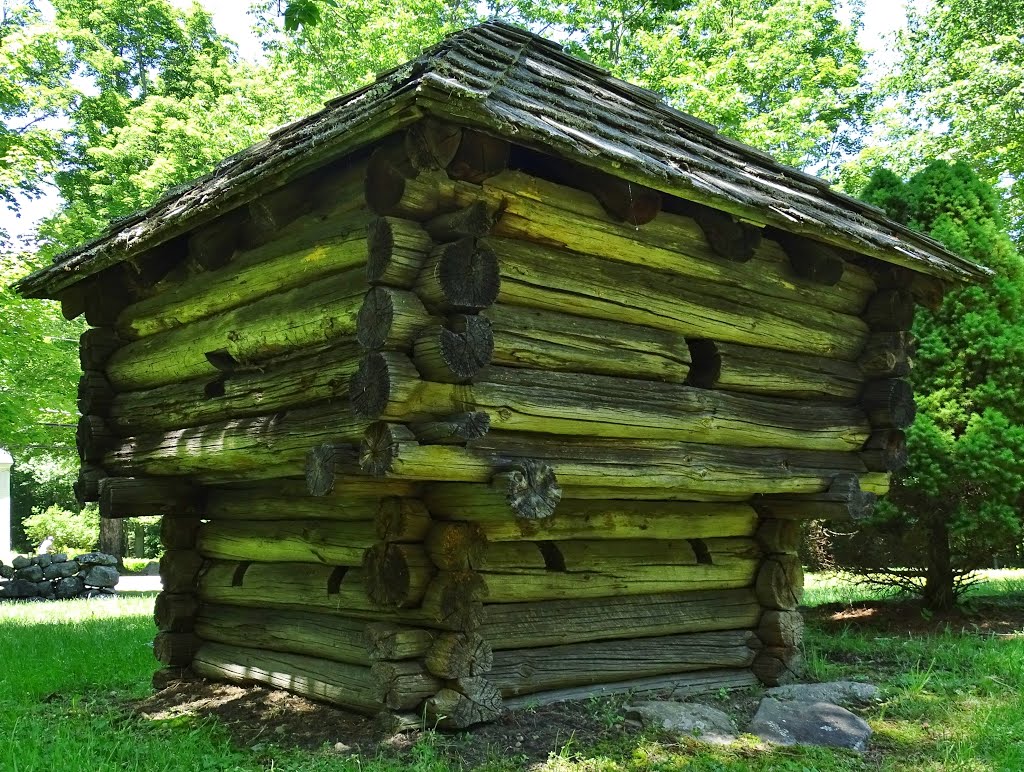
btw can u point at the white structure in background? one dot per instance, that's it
(5, 501)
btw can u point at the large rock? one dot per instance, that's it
(29, 573)
(21, 562)
(96, 559)
(60, 570)
(44, 560)
(69, 587)
(701, 721)
(59, 557)
(838, 692)
(809, 723)
(19, 588)
(100, 576)
(45, 590)
(6, 572)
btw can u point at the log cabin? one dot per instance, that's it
(498, 381)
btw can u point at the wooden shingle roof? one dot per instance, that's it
(511, 83)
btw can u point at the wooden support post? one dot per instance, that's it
(779, 588)
(177, 605)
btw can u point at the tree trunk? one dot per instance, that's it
(938, 587)
(112, 539)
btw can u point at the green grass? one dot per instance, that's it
(952, 702)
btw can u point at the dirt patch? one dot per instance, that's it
(987, 616)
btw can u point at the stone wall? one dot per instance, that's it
(54, 577)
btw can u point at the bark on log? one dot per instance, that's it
(465, 702)
(455, 352)
(459, 655)
(459, 276)
(780, 582)
(144, 497)
(734, 367)
(889, 403)
(390, 319)
(844, 500)
(454, 430)
(180, 569)
(885, 451)
(396, 575)
(175, 612)
(397, 249)
(549, 340)
(525, 671)
(288, 541)
(620, 617)
(175, 649)
(349, 686)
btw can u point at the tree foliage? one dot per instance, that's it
(958, 502)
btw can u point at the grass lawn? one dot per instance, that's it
(954, 699)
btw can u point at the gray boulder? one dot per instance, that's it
(6, 572)
(44, 589)
(838, 692)
(96, 559)
(44, 560)
(700, 721)
(809, 723)
(19, 588)
(101, 576)
(59, 557)
(60, 570)
(69, 587)
(29, 574)
(21, 561)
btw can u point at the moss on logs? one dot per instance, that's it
(307, 377)
(575, 519)
(256, 448)
(734, 367)
(459, 655)
(549, 340)
(339, 543)
(391, 319)
(350, 686)
(314, 314)
(387, 386)
(524, 671)
(325, 636)
(456, 351)
(844, 500)
(557, 280)
(288, 499)
(397, 249)
(619, 617)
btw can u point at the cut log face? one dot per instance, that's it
(460, 276)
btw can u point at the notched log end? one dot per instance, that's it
(531, 489)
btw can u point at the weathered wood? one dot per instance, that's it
(528, 571)
(780, 582)
(477, 219)
(211, 246)
(288, 499)
(456, 351)
(312, 314)
(179, 533)
(531, 488)
(452, 430)
(525, 671)
(403, 685)
(889, 403)
(890, 310)
(544, 277)
(93, 438)
(432, 144)
(811, 260)
(781, 628)
(479, 156)
(397, 249)
(754, 370)
(390, 319)
(727, 237)
(624, 201)
(673, 686)
(95, 394)
(338, 683)
(337, 543)
(402, 520)
(459, 276)
(95, 347)
(575, 519)
(312, 376)
(459, 655)
(619, 617)
(325, 636)
(143, 497)
(779, 536)
(175, 649)
(175, 612)
(455, 546)
(467, 701)
(885, 451)
(844, 500)
(453, 600)
(606, 406)
(779, 665)
(549, 340)
(397, 188)
(179, 570)
(325, 463)
(258, 448)
(396, 575)
(888, 355)
(926, 290)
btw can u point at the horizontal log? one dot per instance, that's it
(338, 683)
(889, 403)
(93, 438)
(885, 451)
(396, 575)
(288, 541)
(314, 313)
(525, 671)
(779, 665)
(96, 346)
(455, 429)
(175, 612)
(575, 519)
(325, 636)
(549, 340)
(888, 355)
(781, 628)
(459, 655)
(180, 570)
(459, 276)
(402, 520)
(397, 249)
(87, 485)
(454, 600)
(780, 582)
(479, 157)
(315, 376)
(175, 649)
(674, 686)
(455, 546)
(780, 536)
(844, 500)
(606, 406)
(179, 533)
(403, 685)
(619, 617)
(463, 703)
(811, 260)
(263, 447)
(753, 370)
(455, 352)
(890, 310)
(390, 318)
(95, 394)
(287, 499)
(556, 280)
(328, 461)
(476, 219)
(149, 496)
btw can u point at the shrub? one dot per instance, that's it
(71, 531)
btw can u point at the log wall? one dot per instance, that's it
(433, 433)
